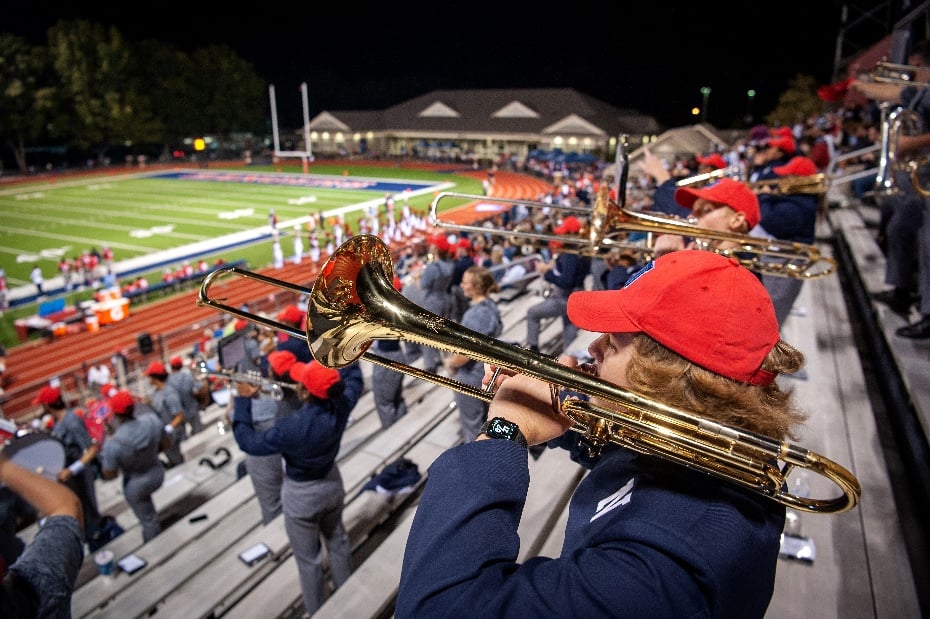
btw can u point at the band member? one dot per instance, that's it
(645, 537)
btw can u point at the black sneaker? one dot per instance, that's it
(898, 299)
(920, 330)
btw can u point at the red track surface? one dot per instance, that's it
(31, 365)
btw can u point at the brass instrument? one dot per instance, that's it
(815, 185)
(273, 389)
(352, 303)
(898, 74)
(895, 121)
(730, 171)
(608, 224)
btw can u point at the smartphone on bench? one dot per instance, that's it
(131, 563)
(256, 553)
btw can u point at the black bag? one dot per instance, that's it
(108, 530)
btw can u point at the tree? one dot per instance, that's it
(797, 103)
(104, 103)
(27, 95)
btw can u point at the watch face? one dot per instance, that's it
(502, 428)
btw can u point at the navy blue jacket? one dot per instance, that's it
(644, 538)
(569, 272)
(789, 217)
(308, 439)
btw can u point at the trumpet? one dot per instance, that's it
(353, 302)
(609, 224)
(898, 74)
(271, 388)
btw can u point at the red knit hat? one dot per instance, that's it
(797, 166)
(47, 395)
(706, 307)
(121, 402)
(315, 377)
(738, 196)
(281, 361)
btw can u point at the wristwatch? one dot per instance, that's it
(503, 429)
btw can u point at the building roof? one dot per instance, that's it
(541, 111)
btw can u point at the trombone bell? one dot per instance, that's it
(353, 302)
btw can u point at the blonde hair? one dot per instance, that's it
(658, 373)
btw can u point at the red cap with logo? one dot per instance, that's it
(706, 307)
(738, 196)
(315, 377)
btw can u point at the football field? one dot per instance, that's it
(155, 217)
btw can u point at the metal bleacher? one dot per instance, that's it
(862, 387)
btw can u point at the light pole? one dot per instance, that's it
(750, 94)
(705, 92)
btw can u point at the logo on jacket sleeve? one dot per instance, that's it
(615, 500)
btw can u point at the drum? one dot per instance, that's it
(37, 451)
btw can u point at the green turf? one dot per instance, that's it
(134, 216)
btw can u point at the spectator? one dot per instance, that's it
(37, 280)
(133, 448)
(313, 494)
(98, 376)
(41, 581)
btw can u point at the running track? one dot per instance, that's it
(32, 364)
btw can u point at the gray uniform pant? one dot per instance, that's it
(267, 475)
(553, 306)
(388, 389)
(138, 488)
(313, 513)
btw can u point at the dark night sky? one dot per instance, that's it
(654, 57)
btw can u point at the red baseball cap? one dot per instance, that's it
(738, 196)
(155, 367)
(281, 361)
(291, 313)
(714, 160)
(315, 377)
(706, 307)
(783, 142)
(797, 166)
(121, 402)
(569, 225)
(240, 324)
(176, 362)
(47, 395)
(440, 241)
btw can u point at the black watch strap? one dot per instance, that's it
(505, 429)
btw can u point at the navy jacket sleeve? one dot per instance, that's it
(789, 217)
(664, 200)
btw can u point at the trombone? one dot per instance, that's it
(815, 185)
(609, 222)
(269, 387)
(353, 302)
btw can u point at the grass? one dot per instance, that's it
(135, 215)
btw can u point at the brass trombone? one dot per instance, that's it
(271, 388)
(729, 171)
(609, 223)
(353, 302)
(815, 185)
